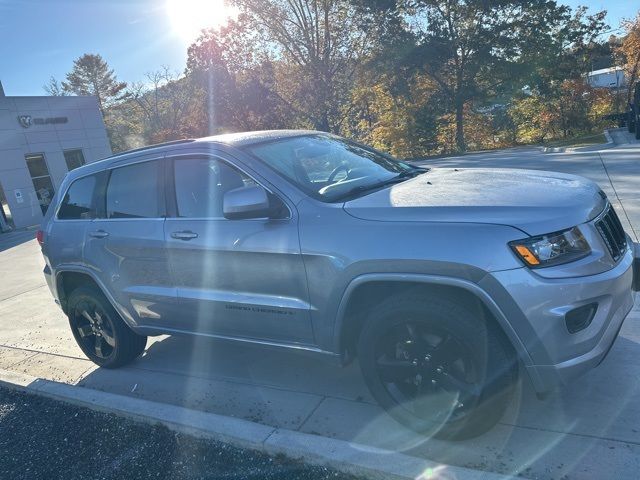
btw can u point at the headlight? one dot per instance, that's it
(552, 249)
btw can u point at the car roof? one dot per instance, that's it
(244, 139)
(241, 139)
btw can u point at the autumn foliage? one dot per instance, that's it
(476, 75)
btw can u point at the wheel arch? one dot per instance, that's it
(357, 299)
(70, 277)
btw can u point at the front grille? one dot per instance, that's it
(612, 233)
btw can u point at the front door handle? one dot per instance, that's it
(99, 234)
(186, 235)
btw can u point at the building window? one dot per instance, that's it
(41, 179)
(74, 158)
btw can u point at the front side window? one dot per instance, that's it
(77, 203)
(328, 167)
(73, 158)
(201, 183)
(134, 191)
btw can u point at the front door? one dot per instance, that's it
(125, 244)
(237, 278)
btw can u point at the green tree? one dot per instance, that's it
(91, 75)
(476, 51)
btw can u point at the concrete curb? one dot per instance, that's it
(339, 454)
(585, 149)
(553, 149)
(608, 136)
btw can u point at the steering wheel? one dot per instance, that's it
(337, 170)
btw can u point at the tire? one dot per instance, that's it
(94, 321)
(429, 402)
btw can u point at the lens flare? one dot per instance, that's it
(189, 17)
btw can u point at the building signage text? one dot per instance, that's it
(27, 120)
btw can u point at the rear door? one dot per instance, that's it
(66, 227)
(125, 244)
(238, 278)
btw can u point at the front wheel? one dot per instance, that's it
(436, 365)
(100, 332)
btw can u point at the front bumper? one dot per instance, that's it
(536, 308)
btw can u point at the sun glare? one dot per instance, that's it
(188, 17)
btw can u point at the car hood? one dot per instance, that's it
(536, 202)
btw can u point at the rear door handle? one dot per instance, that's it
(186, 235)
(99, 234)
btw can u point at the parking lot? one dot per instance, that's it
(591, 429)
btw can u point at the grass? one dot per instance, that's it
(578, 141)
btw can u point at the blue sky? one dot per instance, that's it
(40, 38)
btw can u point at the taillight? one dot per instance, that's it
(40, 237)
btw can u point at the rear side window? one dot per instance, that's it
(77, 203)
(134, 191)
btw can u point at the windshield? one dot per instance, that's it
(330, 168)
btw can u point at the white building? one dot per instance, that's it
(41, 139)
(612, 77)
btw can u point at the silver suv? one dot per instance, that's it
(443, 282)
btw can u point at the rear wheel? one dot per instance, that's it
(99, 331)
(436, 366)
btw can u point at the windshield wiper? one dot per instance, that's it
(411, 173)
(402, 176)
(374, 186)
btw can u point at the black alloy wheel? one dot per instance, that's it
(437, 365)
(100, 331)
(95, 328)
(414, 362)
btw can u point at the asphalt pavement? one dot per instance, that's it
(43, 439)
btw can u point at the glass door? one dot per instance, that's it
(6, 220)
(41, 179)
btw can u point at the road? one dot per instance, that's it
(591, 429)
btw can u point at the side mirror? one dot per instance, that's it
(246, 202)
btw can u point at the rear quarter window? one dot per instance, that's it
(77, 203)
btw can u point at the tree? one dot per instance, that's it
(476, 50)
(472, 47)
(237, 79)
(91, 75)
(54, 88)
(320, 44)
(164, 103)
(234, 46)
(628, 53)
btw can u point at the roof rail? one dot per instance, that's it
(155, 145)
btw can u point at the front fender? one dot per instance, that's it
(435, 280)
